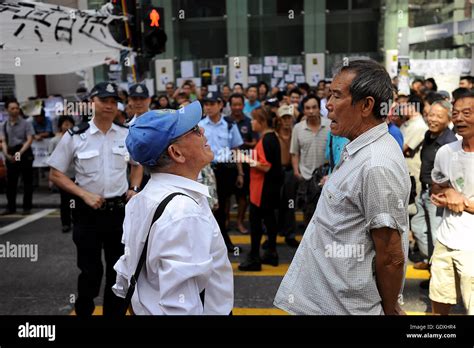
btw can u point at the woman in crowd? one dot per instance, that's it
(265, 183)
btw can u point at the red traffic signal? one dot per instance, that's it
(154, 18)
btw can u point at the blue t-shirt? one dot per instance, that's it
(46, 126)
(396, 133)
(249, 108)
(338, 144)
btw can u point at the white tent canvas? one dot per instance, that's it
(39, 38)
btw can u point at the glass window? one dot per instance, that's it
(272, 7)
(272, 31)
(201, 8)
(354, 30)
(201, 39)
(334, 5)
(426, 12)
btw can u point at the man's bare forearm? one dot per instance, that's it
(389, 266)
(136, 175)
(63, 182)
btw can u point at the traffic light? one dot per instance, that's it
(154, 36)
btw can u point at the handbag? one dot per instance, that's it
(133, 281)
(314, 188)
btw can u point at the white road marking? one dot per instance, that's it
(25, 221)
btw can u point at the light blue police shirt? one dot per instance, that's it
(220, 138)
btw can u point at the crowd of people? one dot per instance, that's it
(276, 151)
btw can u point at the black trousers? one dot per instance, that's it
(93, 231)
(308, 204)
(268, 217)
(226, 176)
(65, 207)
(14, 170)
(286, 212)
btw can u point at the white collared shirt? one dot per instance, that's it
(99, 160)
(186, 252)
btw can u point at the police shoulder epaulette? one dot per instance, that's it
(120, 125)
(78, 129)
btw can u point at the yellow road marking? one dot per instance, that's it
(280, 271)
(245, 239)
(252, 311)
(416, 273)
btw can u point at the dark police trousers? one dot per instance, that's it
(93, 231)
(226, 177)
(24, 167)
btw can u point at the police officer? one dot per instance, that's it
(139, 100)
(223, 136)
(98, 153)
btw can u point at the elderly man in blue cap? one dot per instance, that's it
(185, 268)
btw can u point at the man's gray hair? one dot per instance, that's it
(371, 80)
(163, 161)
(445, 105)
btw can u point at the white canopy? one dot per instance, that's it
(39, 38)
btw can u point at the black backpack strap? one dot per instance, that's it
(230, 122)
(331, 154)
(133, 281)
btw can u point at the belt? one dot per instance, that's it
(114, 203)
(109, 204)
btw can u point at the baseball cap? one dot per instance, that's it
(212, 97)
(104, 90)
(138, 90)
(444, 94)
(153, 131)
(286, 110)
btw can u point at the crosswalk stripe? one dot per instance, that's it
(280, 271)
(28, 219)
(251, 311)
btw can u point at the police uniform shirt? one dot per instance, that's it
(220, 138)
(100, 160)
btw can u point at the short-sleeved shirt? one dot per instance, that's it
(248, 108)
(333, 270)
(17, 133)
(413, 132)
(396, 133)
(265, 187)
(431, 145)
(100, 160)
(245, 129)
(46, 126)
(309, 146)
(454, 167)
(221, 138)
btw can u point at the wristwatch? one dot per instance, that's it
(135, 189)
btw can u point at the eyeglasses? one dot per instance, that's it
(195, 130)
